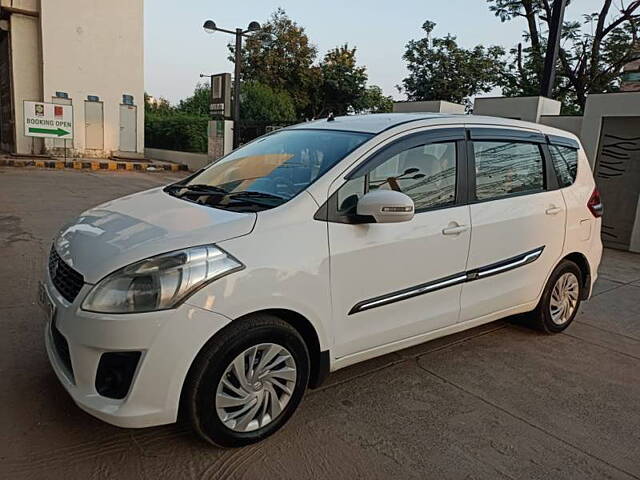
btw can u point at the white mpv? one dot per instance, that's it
(225, 295)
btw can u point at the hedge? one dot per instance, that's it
(176, 131)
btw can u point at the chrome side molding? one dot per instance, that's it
(445, 282)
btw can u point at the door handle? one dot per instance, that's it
(457, 230)
(553, 210)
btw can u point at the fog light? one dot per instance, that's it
(115, 373)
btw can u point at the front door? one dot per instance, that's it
(128, 135)
(393, 281)
(518, 222)
(94, 125)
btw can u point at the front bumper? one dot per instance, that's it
(168, 341)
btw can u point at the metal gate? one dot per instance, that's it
(618, 177)
(94, 125)
(128, 131)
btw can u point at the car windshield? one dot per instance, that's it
(270, 170)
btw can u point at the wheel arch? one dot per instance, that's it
(320, 360)
(583, 264)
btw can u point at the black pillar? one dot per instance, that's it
(236, 90)
(553, 47)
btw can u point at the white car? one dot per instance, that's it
(318, 246)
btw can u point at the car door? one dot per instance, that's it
(393, 281)
(518, 217)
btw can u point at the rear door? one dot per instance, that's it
(394, 281)
(518, 217)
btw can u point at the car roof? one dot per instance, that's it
(372, 123)
(379, 122)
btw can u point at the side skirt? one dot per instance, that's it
(354, 358)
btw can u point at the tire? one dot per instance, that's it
(565, 285)
(241, 411)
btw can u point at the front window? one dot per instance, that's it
(426, 173)
(269, 171)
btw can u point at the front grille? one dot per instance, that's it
(62, 348)
(66, 280)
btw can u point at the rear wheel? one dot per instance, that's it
(247, 382)
(560, 300)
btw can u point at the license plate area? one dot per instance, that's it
(46, 303)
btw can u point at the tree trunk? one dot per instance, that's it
(536, 48)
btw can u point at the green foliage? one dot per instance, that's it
(592, 54)
(198, 103)
(159, 106)
(260, 103)
(373, 101)
(178, 131)
(343, 81)
(439, 69)
(282, 57)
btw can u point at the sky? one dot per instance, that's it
(177, 50)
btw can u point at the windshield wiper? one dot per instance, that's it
(253, 194)
(197, 188)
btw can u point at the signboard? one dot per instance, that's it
(221, 95)
(48, 120)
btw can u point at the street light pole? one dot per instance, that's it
(211, 27)
(236, 89)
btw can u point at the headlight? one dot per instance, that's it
(160, 282)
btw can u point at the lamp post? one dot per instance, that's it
(211, 27)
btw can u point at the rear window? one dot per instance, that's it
(565, 163)
(506, 168)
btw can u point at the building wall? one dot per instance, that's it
(569, 123)
(27, 5)
(625, 104)
(528, 109)
(26, 77)
(94, 47)
(428, 106)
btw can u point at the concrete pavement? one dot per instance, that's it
(499, 401)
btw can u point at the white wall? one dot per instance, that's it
(194, 161)
(27, 82)
(95, 47)
(428, 106)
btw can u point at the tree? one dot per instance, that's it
(591, 57)
(441, 70)
(373, 101)
(261, 104)
(159, 106)
(198, 103)
(343, 81)
(280, 56)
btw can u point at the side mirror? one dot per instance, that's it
(386, 206)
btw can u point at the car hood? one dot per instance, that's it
(120, 232)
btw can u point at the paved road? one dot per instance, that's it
(499, 401)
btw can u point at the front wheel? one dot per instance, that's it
(560, 300)
(247, 382)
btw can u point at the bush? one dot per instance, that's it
(184, 132)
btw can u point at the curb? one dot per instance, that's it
(95, 165)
